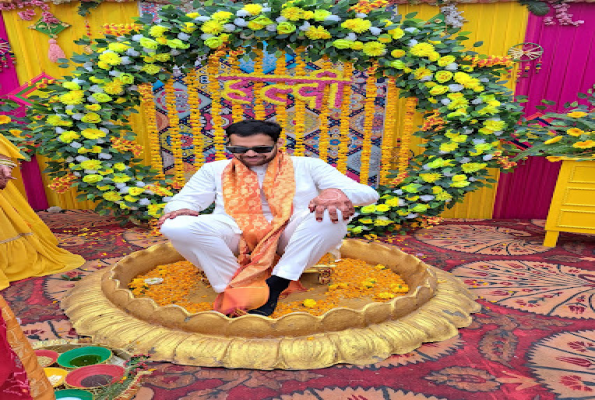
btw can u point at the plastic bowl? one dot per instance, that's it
(94, 376)
(45, 358)
(74, 394)
(84, 356)
(55, 375)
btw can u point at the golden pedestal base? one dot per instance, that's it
(101, 306)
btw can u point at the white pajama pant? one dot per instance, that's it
(211, 242)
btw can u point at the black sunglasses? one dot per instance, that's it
(256, 149)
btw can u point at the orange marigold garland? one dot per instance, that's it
(216, 119)
(194, 105)
(120, 29)
(281, 109)
(174, 131)
(62, 184)
(259, 109)
(389, 127)
(323, 139)
(146, 91)
(405, 140)
(300, 106)
(344, 129)
(237, 110)
(370, 111)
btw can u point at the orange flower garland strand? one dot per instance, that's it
(194, 105)
(146, 91)
(281, 109)
(405, 140)
(259, 110)
(323, 139)
(237, 110)
(174, 131)
(389, 127)
(216, 119)
(300, 106)
(344, 127)
(369, 111)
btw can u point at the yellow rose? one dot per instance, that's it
(577, 114)
(382, 208)
(553, 140)
(112, 196)
(93, 178)
(443, 76)
(135, 191)
(575, 132)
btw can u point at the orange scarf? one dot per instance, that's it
(258, 245)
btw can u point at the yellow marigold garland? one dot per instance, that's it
(389, 127)
(259, 110)
(174, 131)
(216, 119)
(369, 111)
(237, 110)
(281, 109)
(300, 106)
(344, 127)
(146, 91)
(194, 105)
(405, 140)
(323, 139)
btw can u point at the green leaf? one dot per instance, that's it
(478, 44)
(538, 8)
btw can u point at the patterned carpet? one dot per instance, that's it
(533, 340)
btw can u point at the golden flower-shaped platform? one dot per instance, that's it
(101, 306)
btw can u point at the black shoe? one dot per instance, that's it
(276, 286)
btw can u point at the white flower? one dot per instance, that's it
(88, 64)
(96, 89)
(124, 190)
(484, 80)
(166, 199)
(477, 101)
(242, 13)
(133, 88)
(203, 18)
(351, 36)
(410, 30)
(206, 36)
(69, 107)
(498, 133)
(149, 192)
(452, 67)
(266, 9)
(468, 131)
(445, 101)
(144, 202)
(455, 87)
(81, 158)
(100, 141)
(361, 15)
(90, 171)
(478, 141)
(427, 197)
(246, 36)
(488, 157)
(271, 27)
(411, 216)
(132, 53)
(375, 31)
(137, 38)
(90, 69)
(240, 22)
(335, 18)
(175, 52)
(412, 43)
(92, 99)
(280, 19)
(426, 78)
(59, 130)
(78, 116)
(76, 173)
(105, 156)
(78, 82)
(116, 73)
(229, 27)
(76, 145)
(398, 191)
(465, 160)
(448, 173)
(140, 184)
(69, 159)
(426, 167)
(120, 185)
(305, 26)
(472, 179)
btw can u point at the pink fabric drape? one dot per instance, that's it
(29, 169)
(568, 68)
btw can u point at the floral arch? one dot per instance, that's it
(469, 116)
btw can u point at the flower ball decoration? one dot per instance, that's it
(83, 127)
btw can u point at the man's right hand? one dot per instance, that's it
(177, 213)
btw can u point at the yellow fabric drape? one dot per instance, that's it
(27, 247)
(500, 26)
(31, 51)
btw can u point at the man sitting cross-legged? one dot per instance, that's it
(266, 203)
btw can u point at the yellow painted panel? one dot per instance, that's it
(31, 51)
(579, 197)
(577, 221)
(499, 26)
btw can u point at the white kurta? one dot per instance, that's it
(211, 241)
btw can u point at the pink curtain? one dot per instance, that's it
(568, 68)
(29, 169)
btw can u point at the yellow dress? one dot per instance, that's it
(27, 246)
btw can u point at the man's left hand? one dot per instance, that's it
(332, 200)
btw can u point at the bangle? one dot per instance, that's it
(7, 163)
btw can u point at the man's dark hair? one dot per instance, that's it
(254, 127)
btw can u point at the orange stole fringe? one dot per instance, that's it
(258, 245)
